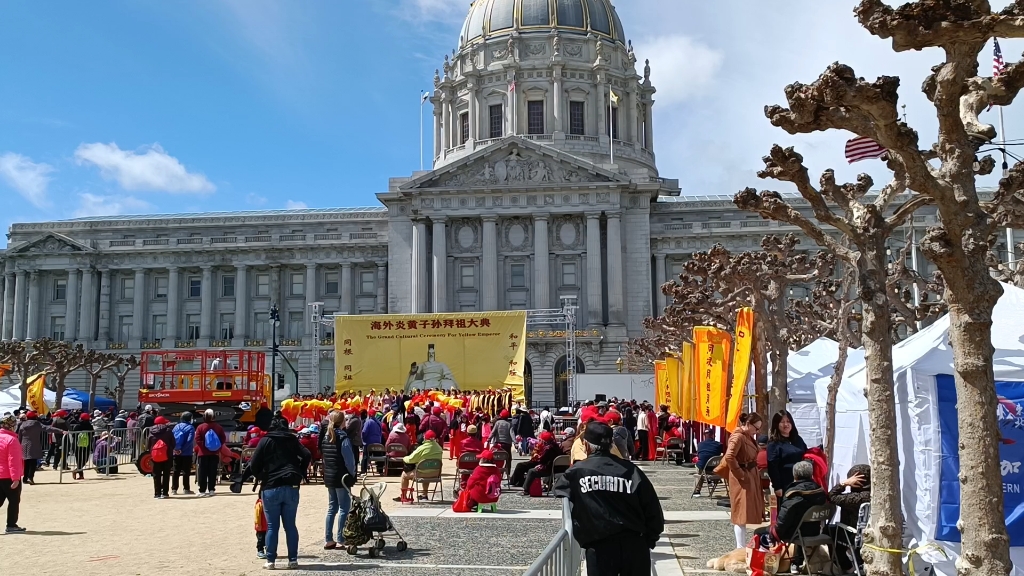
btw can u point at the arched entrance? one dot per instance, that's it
(528, 383)
(561, 383)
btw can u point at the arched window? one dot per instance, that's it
(561, 383)
(528, 383)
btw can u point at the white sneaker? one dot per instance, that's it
(269, 566)
(174, 492)
(292, 565)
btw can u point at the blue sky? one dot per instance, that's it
(125, 106)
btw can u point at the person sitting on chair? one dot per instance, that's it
(476, 485)
(858, 480)
(472, 442)
(428, 450)
(707, 449)
(799, 497)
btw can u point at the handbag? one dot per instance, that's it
(462, 503)
(762, 560)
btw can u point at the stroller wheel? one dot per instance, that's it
(352, 550)
(401, 546)
(374, 553)
(380, 544)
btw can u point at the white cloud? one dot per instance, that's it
(148, 169)
(255, 199)
(295, 205)
(97, 205)
(28, 178)
(685, 67)
(433, 10)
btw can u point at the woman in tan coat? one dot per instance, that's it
(745, 495)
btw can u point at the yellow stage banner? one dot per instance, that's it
(740, 366)
(466, 351)
(673, 383)
(34, 396)
(687, 389)
(663, 392)
(712, 351)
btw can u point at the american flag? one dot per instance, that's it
(998, 66)
(863, 148)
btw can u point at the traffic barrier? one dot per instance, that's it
(563, 555)
(102, 450)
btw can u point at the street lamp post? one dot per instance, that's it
(275, 319)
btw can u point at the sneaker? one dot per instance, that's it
(261, 555)
(293, 565)
(269, 566)
(162, 496)
(14, 529)
(156, 496)
(174, 492)
(696, 495)
(202, 494)
(187, 492)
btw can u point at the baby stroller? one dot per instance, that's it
(367, 518)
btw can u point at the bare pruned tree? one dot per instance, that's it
(25, 359)
(121, 369)
(96, 363)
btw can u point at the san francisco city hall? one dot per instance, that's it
(524, 205)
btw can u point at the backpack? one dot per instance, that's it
(493, 487)
(211, 440)
(159, 451)
(83, 440)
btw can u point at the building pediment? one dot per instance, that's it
(514, 162)
(51, 243)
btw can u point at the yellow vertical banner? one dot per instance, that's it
(34, 397)
(662, 395)
(674, 370)
(740, 366)
(712, 348)
(687, 391)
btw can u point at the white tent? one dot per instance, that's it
(916, 363)
(10, 400)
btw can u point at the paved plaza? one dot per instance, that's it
(114, 526)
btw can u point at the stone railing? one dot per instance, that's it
(220, 343)
(293, 237)
(221, 242)
(255, 343)
(151, 345)
(121, 243)
(184, 343)
(117, 345)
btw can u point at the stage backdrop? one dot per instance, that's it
(1010, 413)
(470, 351)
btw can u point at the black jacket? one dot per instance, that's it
(610, 496)
(163, 432)
(524, 426)
(279, 460)
(335, 467)
(782, 455)
(797, 499)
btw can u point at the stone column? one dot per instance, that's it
(437, 134)
(241, 299)
(440, 266)
(173, 301)
(20, 297)
(602, 106)
(206, 304)
(489, 263)
(71, 310)
(33, 306)
(556, 98)
(542, 291)
(616, 301)
(446, 123)
(511, 109)
(648, 126)
(7, 331)
(139, 305)
(310, 291)
(594, 308)
(346, 288)
(103, 334)
(419, 267)
(5, 288)
(659, 274)
(275, 284)
(87, 316)
(473, 115)
(627, 116)
(382, 287)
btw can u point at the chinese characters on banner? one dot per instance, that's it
(467, 351)
(740, 366)
(663, 393)
(673, 383)
(687, 383)
(712, 347)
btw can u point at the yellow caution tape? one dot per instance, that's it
(910, 553)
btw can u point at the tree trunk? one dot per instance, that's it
(886, 528)
(830, 404)
(93, 383)
(760, 375)
(985, 545)
(779, 396)
(58, 384)
(119, 393)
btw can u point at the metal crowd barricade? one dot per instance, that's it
(79, 453)
(563, 555)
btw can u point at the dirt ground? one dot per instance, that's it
(103, 526)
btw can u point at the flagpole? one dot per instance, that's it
(611, 132)
(422, 100)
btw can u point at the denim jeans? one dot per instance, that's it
(338, 503)
(280, 505)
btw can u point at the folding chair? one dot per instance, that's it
(853, 537)
(673, 447)
(707, 477)
(558, 467)
(428, 472)
(659, 447)
(502, 458)
(376, 454)
(467, 462)
(395, 453)
(819, 515)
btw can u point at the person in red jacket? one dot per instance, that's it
(208, 453)
(477, 483)
(472, 441)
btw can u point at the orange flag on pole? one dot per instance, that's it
(740, 366)
(687, 383)
(712, 352)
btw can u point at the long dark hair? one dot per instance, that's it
(773, 433)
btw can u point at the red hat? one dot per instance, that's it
(436, 410)
(487, 455)
(504, 414)
(372, 412)
(84, 417)
(547, 436)
(612, 417)
(31, 415)
(429, 435)
(160, 420)
(61, 413)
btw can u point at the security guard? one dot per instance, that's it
(616, 515)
